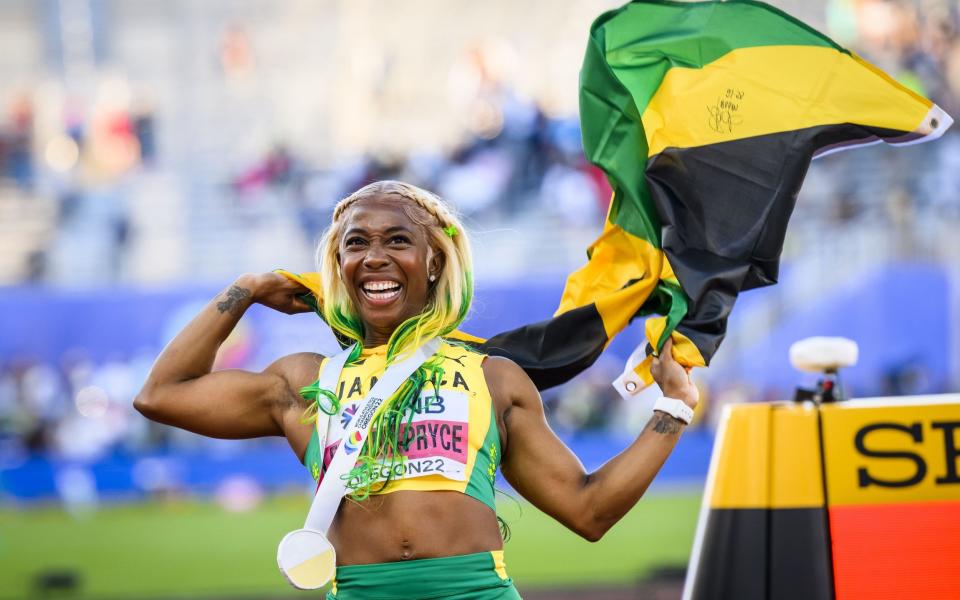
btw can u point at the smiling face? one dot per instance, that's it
(383, 256)
(376, 259)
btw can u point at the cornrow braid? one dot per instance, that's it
(447, 305)
(422, 198)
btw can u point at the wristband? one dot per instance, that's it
(677, 409)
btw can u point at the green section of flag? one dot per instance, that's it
(613, 139)
(643, 40)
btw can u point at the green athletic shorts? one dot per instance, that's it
(478, 576)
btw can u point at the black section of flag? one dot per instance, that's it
(724, 210)
(555, 350)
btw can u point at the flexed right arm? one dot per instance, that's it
(182, 391)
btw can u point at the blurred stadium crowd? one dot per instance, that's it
(157, 143)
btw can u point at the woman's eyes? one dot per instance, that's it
(394, 240)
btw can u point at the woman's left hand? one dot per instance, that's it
(673, 378)
(275, 291)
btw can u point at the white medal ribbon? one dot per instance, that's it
(305, 556)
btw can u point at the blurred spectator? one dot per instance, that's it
(16, 142)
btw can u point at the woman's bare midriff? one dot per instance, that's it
(409, 525)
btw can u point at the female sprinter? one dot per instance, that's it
(396, 270)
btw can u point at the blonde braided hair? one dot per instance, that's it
(426, 200)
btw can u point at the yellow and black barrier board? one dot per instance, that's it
(854, 500)
(763, 532)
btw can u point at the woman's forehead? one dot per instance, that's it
(379, 213)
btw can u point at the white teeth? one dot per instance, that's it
(381, 290)
(383, 295)
(379, 286)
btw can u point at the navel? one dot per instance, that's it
(406, 552)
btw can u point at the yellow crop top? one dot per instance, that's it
(454, 445)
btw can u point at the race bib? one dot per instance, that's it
(435, 442)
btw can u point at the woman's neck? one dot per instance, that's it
(372, 338)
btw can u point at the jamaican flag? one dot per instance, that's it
(704, 117)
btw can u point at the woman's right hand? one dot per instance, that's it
(275, 291)
(673, 379)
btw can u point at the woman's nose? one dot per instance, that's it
(375, 257)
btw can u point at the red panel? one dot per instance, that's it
(897, 551)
